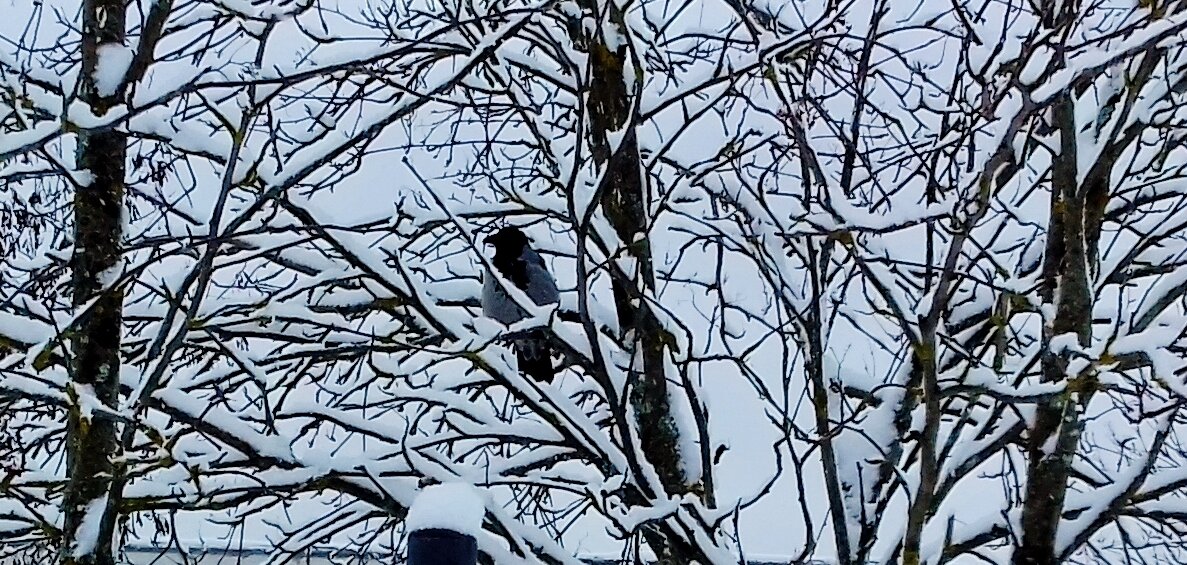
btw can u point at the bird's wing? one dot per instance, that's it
(497, 304)
(541, 285)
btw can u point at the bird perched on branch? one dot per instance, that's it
(517, 262)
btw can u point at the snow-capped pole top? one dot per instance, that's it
(443, 525)
(450, 506)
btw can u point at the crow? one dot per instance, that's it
(517, 262)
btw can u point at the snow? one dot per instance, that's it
(569, 8)
(242, 8)
(83, 116)
(1039, 60)
(18, 142)
(449, 506)
(87, 537)
(24, 330)
(113, 62)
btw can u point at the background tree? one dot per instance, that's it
(925, 252)
(959, 172)
(92, 494)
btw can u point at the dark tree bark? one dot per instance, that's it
(1069, 274)
(92, 443)
(623, 199)
(1067, 280)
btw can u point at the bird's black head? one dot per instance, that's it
(508, 242)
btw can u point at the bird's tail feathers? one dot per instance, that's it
(535, 359)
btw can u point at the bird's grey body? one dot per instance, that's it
(521, 266)
(540, 287)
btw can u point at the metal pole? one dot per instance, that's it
(436, 546)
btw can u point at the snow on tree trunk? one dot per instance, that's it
(1080, 190)
(624, 201)
(89, 505)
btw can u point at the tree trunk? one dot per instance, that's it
(1067, 285)
(835, 487)
(623, 199)
(921, 506)
(92, 447)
